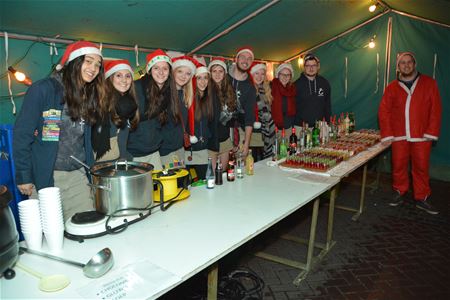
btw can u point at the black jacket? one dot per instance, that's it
(313, 100)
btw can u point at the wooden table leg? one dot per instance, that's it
(312, 237)
(213, 272)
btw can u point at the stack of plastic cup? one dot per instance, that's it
(52, 217)
(30, 223)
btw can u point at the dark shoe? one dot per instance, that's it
(397, 198)
(424, 205)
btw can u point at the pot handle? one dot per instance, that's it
(121, 161)
(102, 187)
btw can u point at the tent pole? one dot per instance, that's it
(35, 38)
(337, 36)
(419, 18)
(64, 41)
(387, 61)
(232, 27)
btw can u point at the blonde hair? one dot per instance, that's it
(188, 91)
(267, 91)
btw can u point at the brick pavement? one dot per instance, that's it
(389, 253)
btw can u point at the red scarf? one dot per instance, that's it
(278, 92)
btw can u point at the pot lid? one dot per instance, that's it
(121, 168)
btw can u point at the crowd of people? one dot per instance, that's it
(180, 113)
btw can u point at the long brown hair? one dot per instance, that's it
(204, 103)
(225, 93)
(113, 95)
(163, 102)
(85, 100)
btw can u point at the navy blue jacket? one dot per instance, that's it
(34, 159)
(172, 132)
(147, 138)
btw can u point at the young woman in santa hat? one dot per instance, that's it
(55, 123)
(283, 93)
(110, 135)
(225, 111)
(203, 122)
(266, 128)
(172, 150)
(158, 104)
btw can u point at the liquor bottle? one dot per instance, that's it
(308, 137)
(301, 140)
(240, 165)
(276, 146)
(219, 171)
(283, 145)
(316, 135)
(249, 163)
(231, 172)
(293, 142)
(210, 178)
(351, 116)
(347, 124)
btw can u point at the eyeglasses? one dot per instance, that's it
(285, 74)
(310, 66)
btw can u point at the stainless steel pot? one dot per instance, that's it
(9, 238)
(122, 185)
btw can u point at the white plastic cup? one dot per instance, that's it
(33, 239)
(55, 240)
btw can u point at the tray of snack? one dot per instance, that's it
(316, 159)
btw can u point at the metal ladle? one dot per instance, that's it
(50, 283)
(96, 267)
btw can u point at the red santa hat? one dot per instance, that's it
(256, 66)
(245, 49)
(157, 56)
(217, 61)
(114, 65)
(77, 49)
(184, 61)
(284, 66)
(403, 54)
(200, 63)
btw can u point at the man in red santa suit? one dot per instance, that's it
(410, 119)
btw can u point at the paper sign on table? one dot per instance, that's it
(135, 281)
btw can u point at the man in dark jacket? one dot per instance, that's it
(313, 93)
(245, 93)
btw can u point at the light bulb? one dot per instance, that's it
(372, 7)
(371, 44)
(20, 76)
(300, 61)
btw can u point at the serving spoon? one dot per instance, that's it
(47, 283)
(96, 267)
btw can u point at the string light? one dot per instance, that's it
(300, 61)
(20, 77)
(372, 43)
(373, 7)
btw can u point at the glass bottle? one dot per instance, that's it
(240, 165)
(219, 171)
(231, 172)
(210, 178)
(283, 145)
(249, 163)
(293, 142)
(276, 146)
(316, 135)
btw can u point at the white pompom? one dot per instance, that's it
(193, 139)
(257, 125)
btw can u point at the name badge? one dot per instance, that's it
(51, 128)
